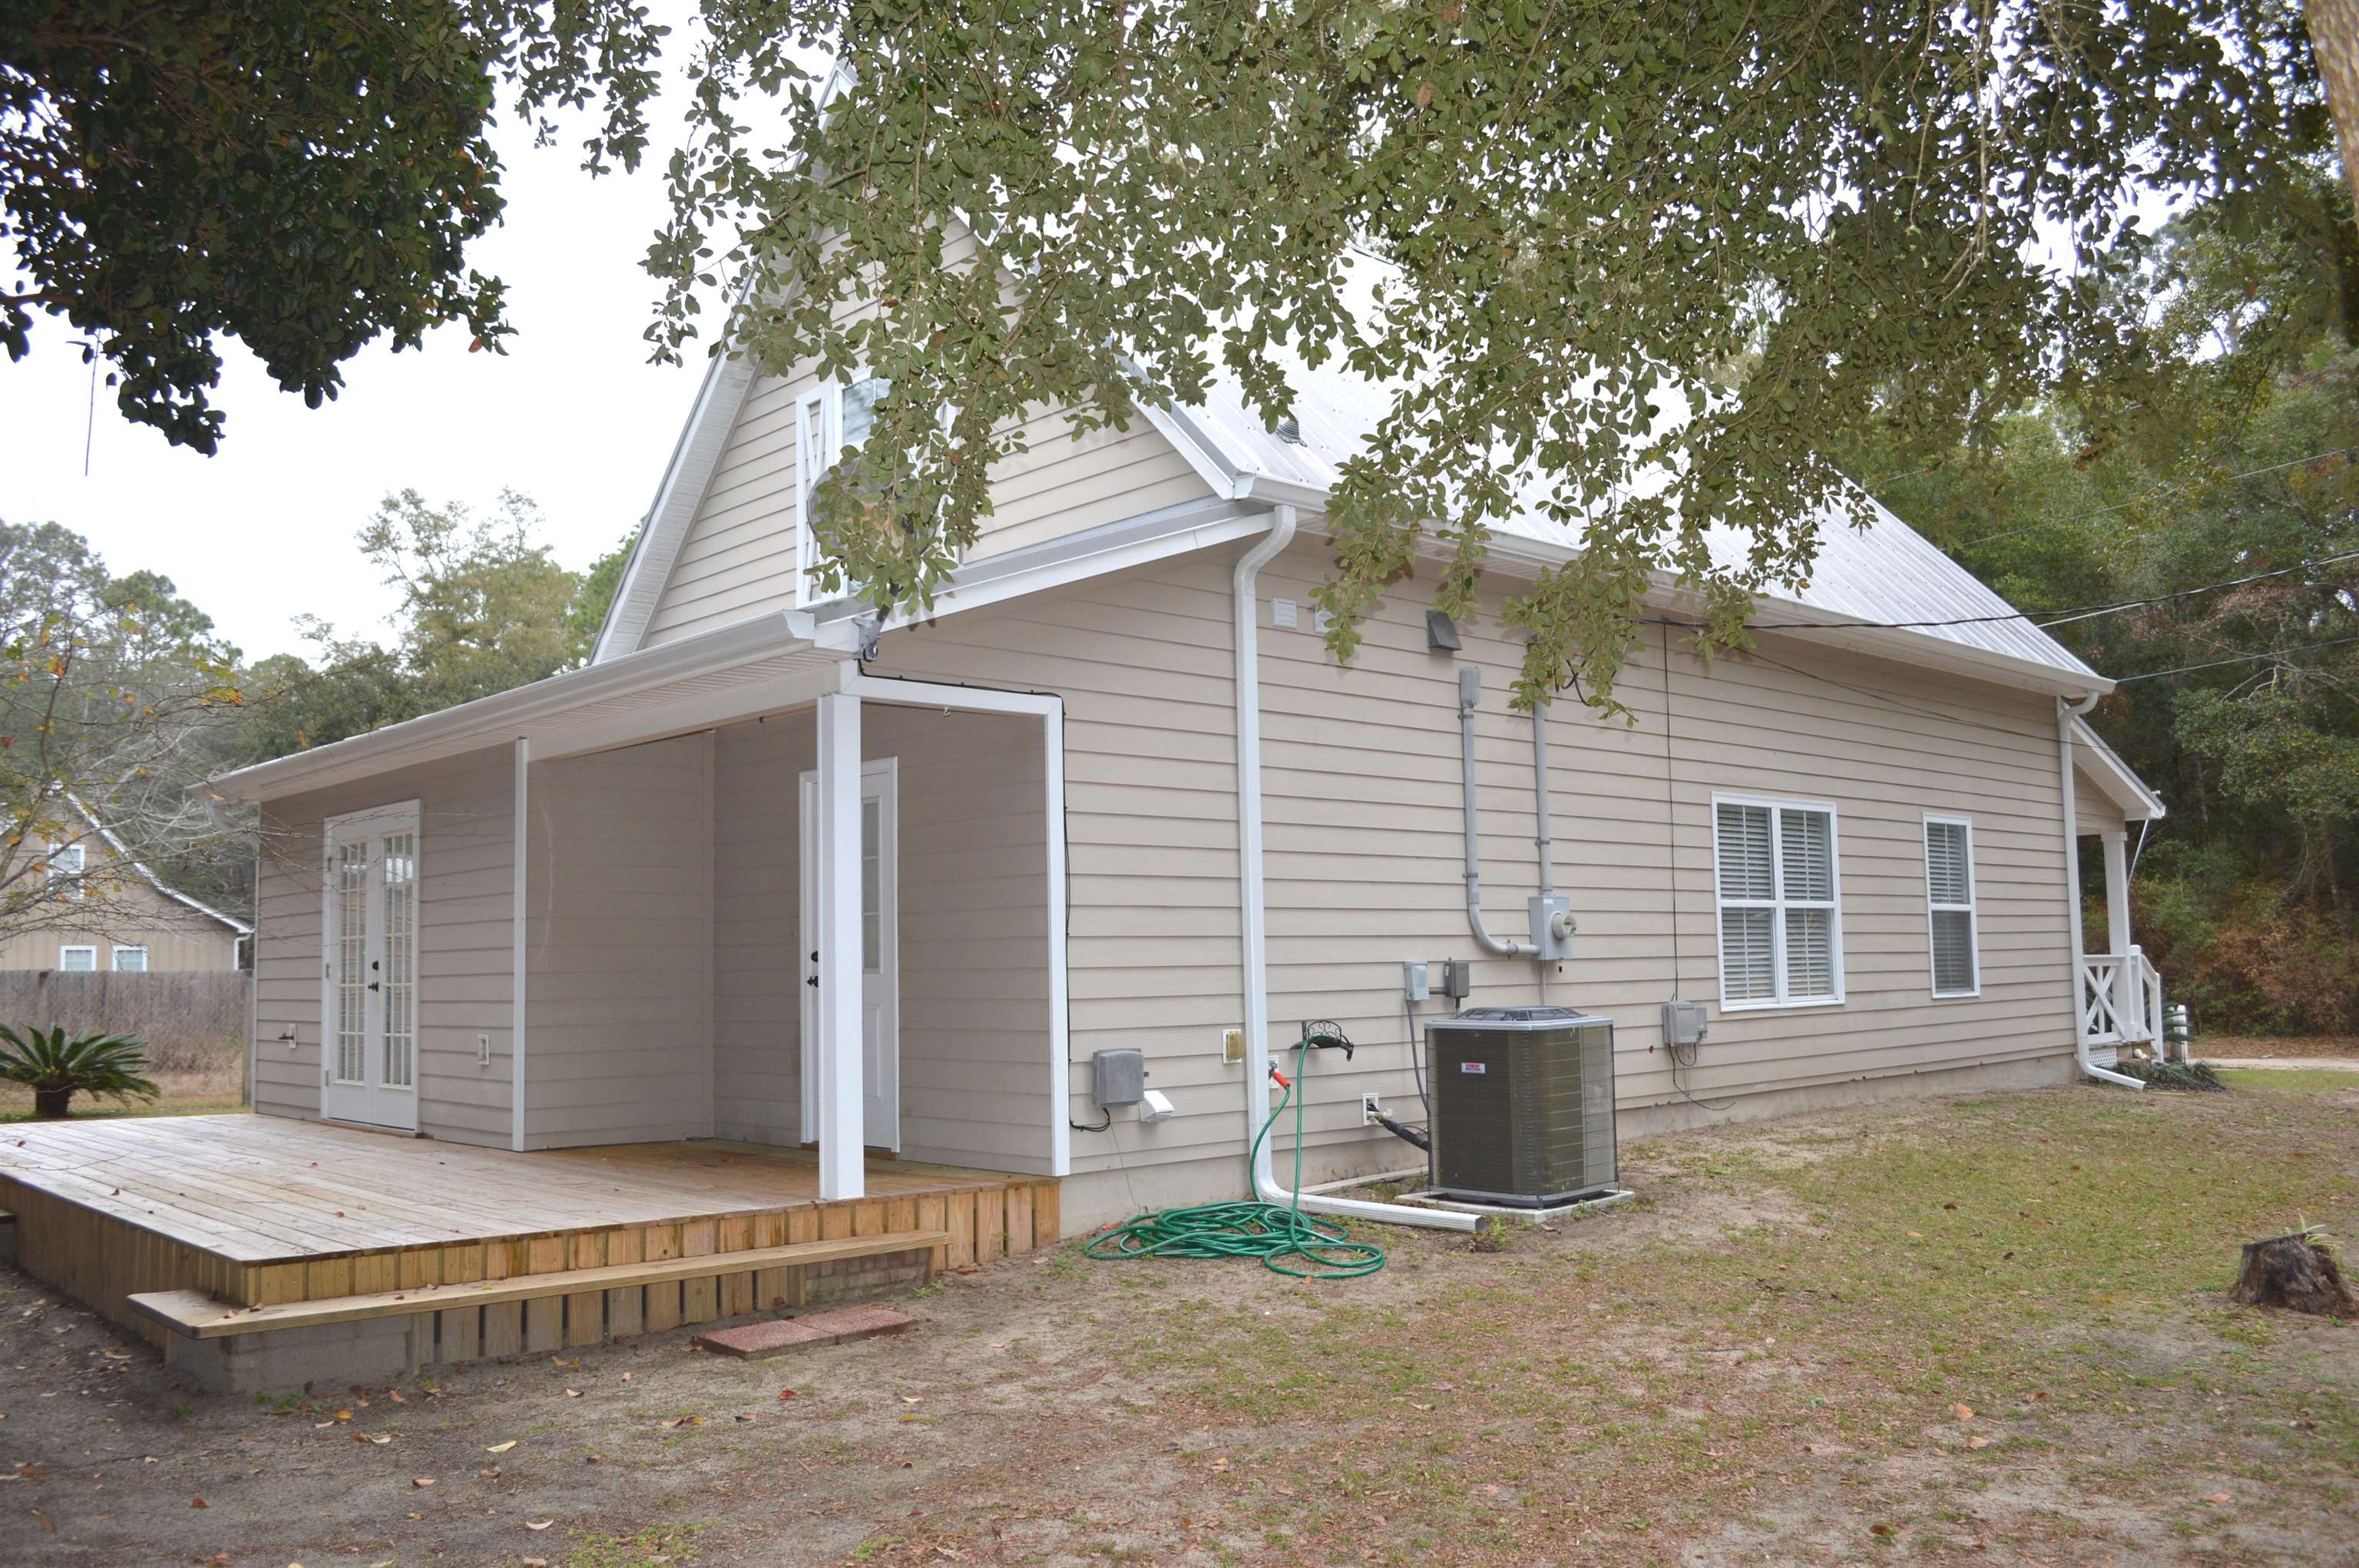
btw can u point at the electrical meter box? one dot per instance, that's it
(1117, 1077)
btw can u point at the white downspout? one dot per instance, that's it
(1251, 910)
(2068, 710)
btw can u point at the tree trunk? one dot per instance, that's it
(49, 1105)
(2295, 1274)
(2334, 37)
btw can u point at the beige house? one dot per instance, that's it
(733, 880)
(116, 916)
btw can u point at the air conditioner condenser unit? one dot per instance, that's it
(1523, 1105)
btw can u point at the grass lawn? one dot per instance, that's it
(1988, 1330)
(195, 1092)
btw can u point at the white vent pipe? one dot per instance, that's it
(1252, 909)
(2066, 711)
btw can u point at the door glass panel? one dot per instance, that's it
(350, 958)
(871, 885)
(400, 953)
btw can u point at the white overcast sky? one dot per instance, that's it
(572, 416)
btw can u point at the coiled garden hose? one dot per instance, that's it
(1271, 1231)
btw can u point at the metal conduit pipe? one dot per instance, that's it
(2068, 710)
(1253, 912)
(1470, 690)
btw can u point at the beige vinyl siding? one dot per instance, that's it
(1362, 805)
(739, 557)
(974, 972)
(465, 948)
(620, 938)
(2094, 811)
(128, 913)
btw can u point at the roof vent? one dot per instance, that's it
(1289, 430)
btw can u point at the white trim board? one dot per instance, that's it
(1050, 711)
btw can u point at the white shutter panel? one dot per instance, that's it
(1747, 960)
(1809, 954)
(1808, 841)
(1744, 852)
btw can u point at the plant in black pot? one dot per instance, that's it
(57, 1068)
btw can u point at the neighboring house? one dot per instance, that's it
(731, 881)
(116, 916)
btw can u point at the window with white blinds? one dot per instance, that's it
(1950, 903)
(1781, 928)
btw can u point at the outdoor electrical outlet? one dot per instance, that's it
(1371, 1106)
(1232, 1045)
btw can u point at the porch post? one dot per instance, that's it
(2127, 998)
(836, 839)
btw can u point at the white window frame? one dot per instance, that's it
(1778, 903)
(64, 968)
(1972, 907)
(818, 447)
(116, 958)
(79, 854)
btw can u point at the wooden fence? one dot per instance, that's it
(190, 1019)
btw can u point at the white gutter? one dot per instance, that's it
(2068, 712)
(1252, 909)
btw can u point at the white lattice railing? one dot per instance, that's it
(2121, 998)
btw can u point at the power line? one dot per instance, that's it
(2240, 659)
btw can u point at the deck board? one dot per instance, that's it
(266, 1190)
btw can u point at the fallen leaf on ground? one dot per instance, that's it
(2218, 1498)
(685, 1421)
(395, 1395)
(380, 1439)
(572, 1393)
(423, 1481)
(1978, 1443)
(196, 1502)
(1964, 1412)
(501, 1447)
(538, 1524)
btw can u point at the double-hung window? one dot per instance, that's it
(65, 864)
(1950, 906)
(1780, 926)
(78, 960)
(828, 420)
(130, 960)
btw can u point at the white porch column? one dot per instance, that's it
(2127, 1002)
(836, 838)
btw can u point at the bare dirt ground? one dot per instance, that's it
(1982, 1330)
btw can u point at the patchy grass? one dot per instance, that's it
(2291, 1080)
(2258, 1045)
(201, 1092)
(1965, 1330)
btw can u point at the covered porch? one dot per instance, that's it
(2117, 993)
(731, 888)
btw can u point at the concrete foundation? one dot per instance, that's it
(374, 1350)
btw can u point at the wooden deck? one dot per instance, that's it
(263, 1211)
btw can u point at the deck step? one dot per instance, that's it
(775, 1336)
(200, 1316)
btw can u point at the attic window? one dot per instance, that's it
(829, 421)
(66, 861)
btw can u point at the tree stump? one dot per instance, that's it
(2295, 1273)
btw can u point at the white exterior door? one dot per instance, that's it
(368, 1035)
(880, 953)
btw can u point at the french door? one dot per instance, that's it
(368, 1058)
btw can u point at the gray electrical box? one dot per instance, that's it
(1415, 983)
(1685, 1023)
(1552, 926)
(1117, 1077)
(1452, 977)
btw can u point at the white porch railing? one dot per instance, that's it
(2121, 1002)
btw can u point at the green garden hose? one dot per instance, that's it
(1271, 1231)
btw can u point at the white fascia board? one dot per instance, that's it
(1228, 472)
(1094, 553)
(694, 456)
(2113, 778)
(502, 717)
